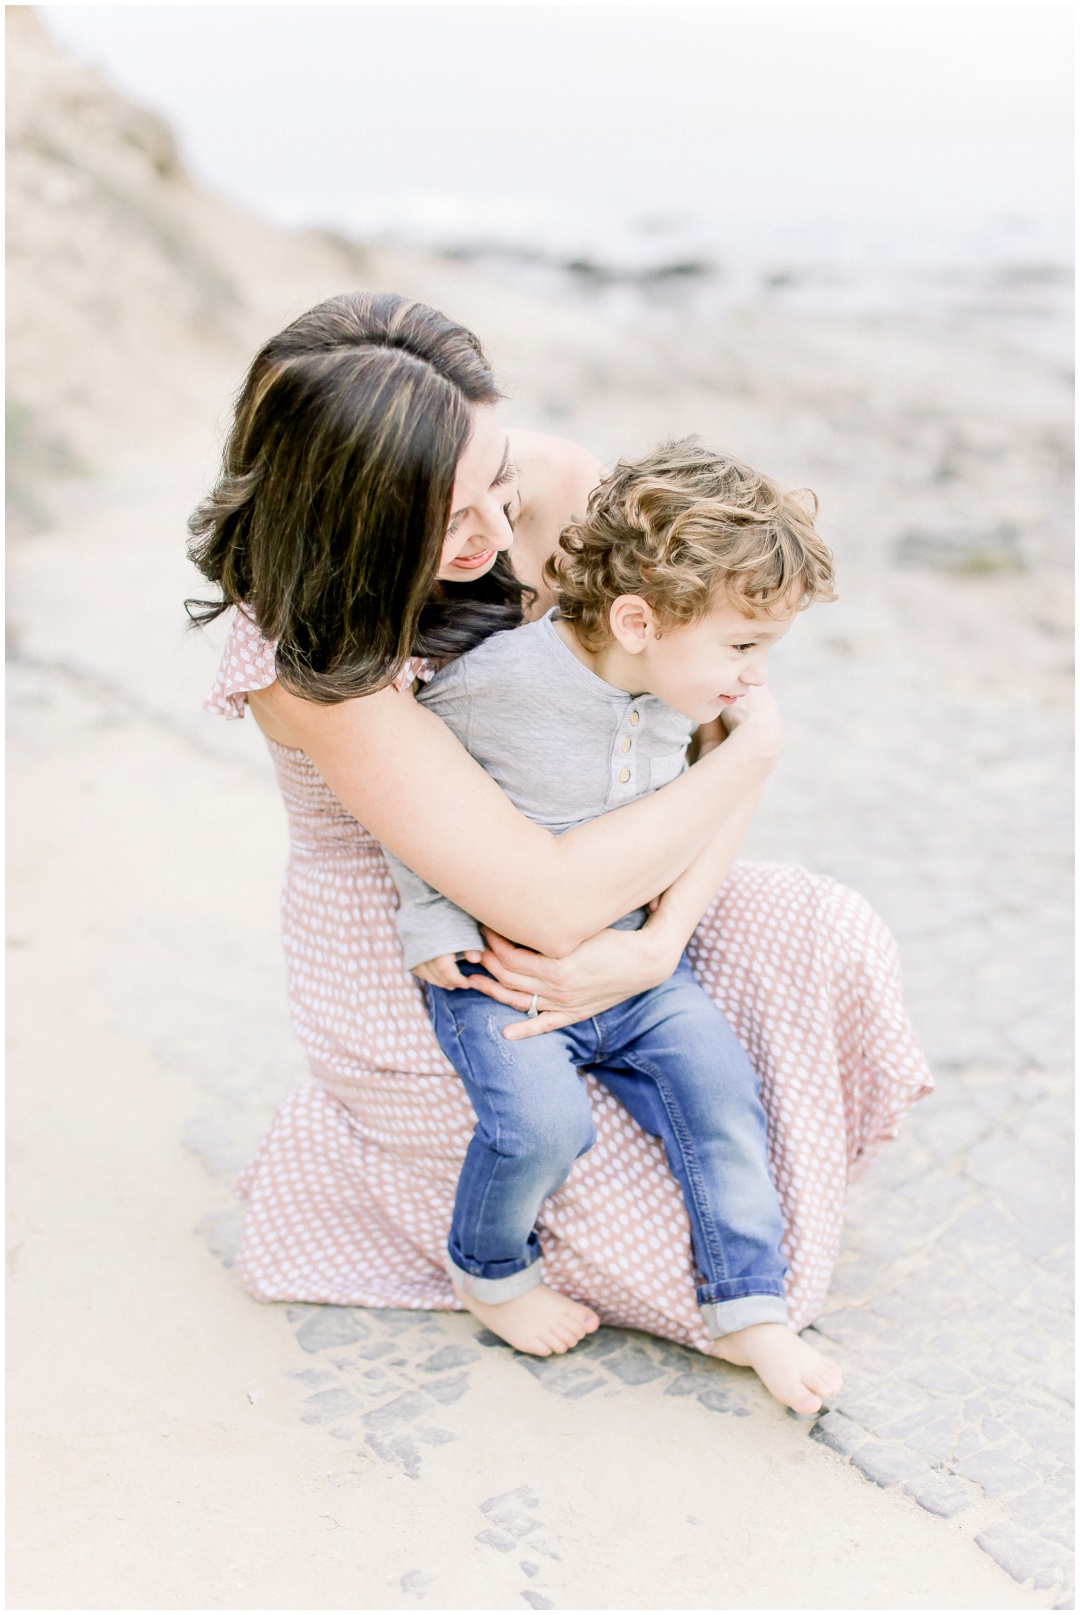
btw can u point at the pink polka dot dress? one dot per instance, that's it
(349, 1197)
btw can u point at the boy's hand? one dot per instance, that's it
(706, 738)
(759, 713)
(443, 971)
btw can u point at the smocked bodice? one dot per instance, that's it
(318, 824)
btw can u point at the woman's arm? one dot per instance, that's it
(614, 965)
(405, 777)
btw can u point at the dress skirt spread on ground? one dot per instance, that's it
(349, 1198)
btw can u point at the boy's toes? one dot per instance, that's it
(568, 1335)
(575, 1323)
(824, 1379)
(803, 1400)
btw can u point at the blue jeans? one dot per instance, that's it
(668, 1056)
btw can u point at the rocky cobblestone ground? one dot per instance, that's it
(952, 1305)
(951, 1310)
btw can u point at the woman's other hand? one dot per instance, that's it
(444, 972)
(603, 971)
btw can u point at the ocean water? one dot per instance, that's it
(977, 230)
(1010, 273)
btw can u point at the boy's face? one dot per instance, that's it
(701, 668)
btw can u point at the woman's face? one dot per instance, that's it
(485, 490)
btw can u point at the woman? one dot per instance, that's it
(361, 525)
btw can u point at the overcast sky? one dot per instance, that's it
(339, 113)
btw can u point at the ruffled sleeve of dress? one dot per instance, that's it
(417, 667)
(249, 662)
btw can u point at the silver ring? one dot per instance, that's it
(532, 1010)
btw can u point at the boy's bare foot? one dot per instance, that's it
(541, 1321)
(794, 1372)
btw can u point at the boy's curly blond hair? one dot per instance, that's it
(679, 526)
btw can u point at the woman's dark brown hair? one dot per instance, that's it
(328, 518)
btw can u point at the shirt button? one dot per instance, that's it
(633, 717)
(624, 774)
(626, 744)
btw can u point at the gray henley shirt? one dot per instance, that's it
(564, 746)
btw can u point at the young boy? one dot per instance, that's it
(686, 569)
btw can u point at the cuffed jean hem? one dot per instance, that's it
(493, 1291)
(724, 1317)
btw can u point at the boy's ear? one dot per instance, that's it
(630, 619)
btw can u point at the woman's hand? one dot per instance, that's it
(603, 971)
(444, 972)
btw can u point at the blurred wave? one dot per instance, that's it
(1012, 274)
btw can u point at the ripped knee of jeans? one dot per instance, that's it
(503, 1044)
